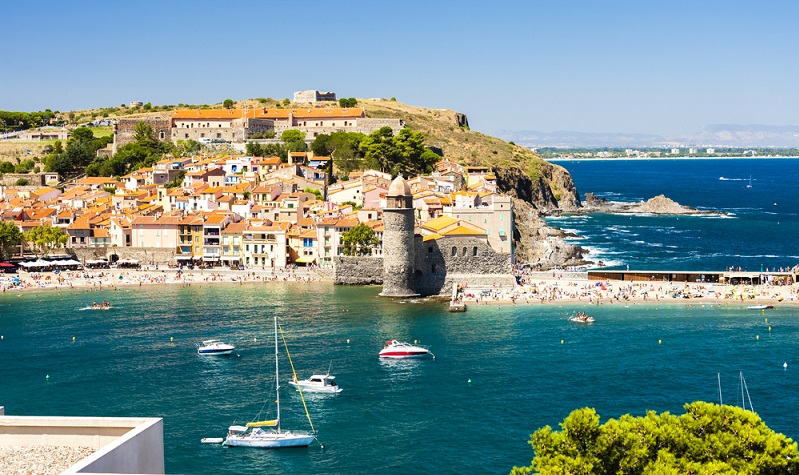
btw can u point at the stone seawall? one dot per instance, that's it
(145, 255)
(358, 270)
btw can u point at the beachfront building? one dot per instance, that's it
(232, 249)
(328, 237)
(190, 239)
(212, 237)
(265, 245)
(155, 231)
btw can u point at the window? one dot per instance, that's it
(161, 135)
(454, 251)
(464, 251)
(430, 249)
(474, 251)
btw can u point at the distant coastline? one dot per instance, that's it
(686, 157)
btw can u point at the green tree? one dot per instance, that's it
(46, 238)
(707, 439)
(228, 103)
(10, 238)
(359, 241)
(294, 140)
(254, 149)
(351, 102)
(21, 182)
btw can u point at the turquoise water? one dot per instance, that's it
(757, 230)
(421, 416)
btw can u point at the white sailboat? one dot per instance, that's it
(269, 434)
(750, 182)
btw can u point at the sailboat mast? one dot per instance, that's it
(277, 379)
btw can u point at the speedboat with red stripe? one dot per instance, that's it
(401, 349)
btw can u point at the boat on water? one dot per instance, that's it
(317, 383)
(581, 317)
(214, 347)
(760, 307)
(268, 434)
(401, 349)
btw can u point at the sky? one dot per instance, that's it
(644, 66)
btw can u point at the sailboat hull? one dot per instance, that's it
(270, 440)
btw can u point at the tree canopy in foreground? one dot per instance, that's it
(707, 439)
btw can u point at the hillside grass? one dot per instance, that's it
(459, 144)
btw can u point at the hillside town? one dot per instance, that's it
(243, 211)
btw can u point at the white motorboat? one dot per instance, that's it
(760, 307)
(253, 435)
(317, 383)
(214, 347)
(401, 349)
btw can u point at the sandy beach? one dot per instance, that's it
(545, 288)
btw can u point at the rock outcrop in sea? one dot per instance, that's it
(658, 205)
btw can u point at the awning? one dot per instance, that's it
(182, 257)
(127, 261)
(305, 259)
(231, 258)
(6, 264)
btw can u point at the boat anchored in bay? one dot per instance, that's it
(401, 349)
(254, 434)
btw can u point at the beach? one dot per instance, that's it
(542, 288)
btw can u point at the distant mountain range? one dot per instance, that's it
(721, 135)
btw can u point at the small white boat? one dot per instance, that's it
(759, 307)
(214, 347)
(317, 383)
(401, 349)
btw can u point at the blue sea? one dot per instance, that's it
(756, 230)
(500, 373)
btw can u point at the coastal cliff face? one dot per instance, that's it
(537, 243)
(540, 245)
(553, 189)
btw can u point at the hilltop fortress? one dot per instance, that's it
(240, 125)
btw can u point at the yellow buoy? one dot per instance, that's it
(561, 342)
(348, 341)
(766, 319)
(660, 341)
(769, 328)
(171, 339)
(255, 339)
(73, 338)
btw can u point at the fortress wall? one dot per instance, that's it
(473, 262)
(358, 270)
(145, 255)
(125, 129)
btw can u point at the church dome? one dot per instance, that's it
(399, 187)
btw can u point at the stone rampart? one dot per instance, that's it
(471, 261)
(145, 255)
(358, 270)
(125, 129)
